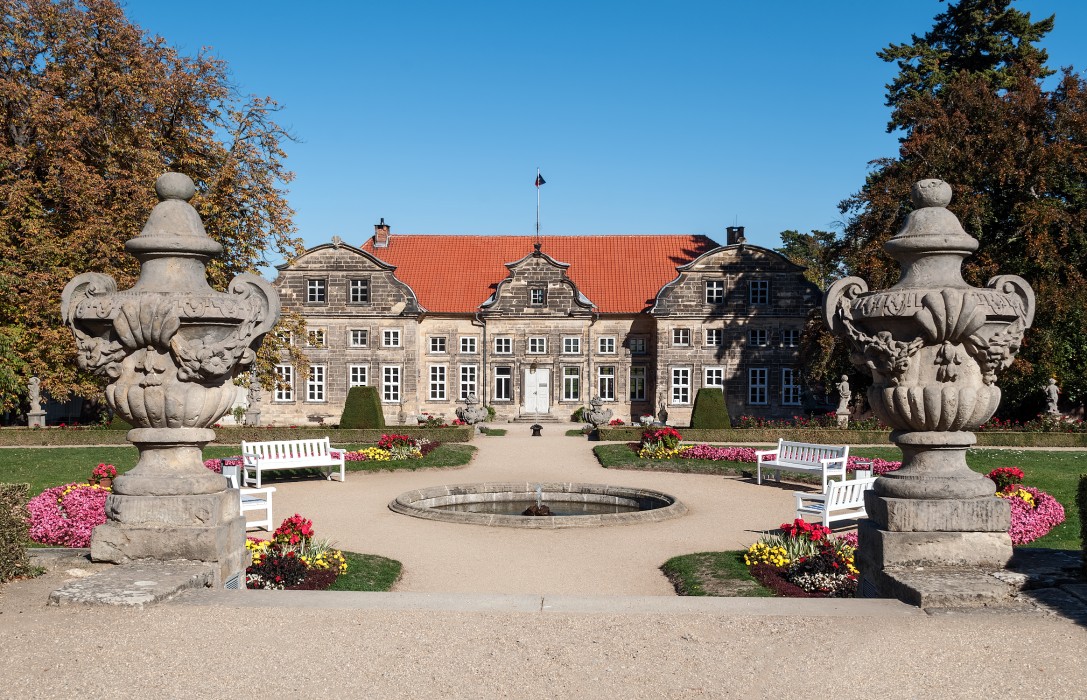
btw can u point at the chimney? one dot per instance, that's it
(735, 235)
(381, 234)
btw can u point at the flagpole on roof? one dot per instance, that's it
(539, 181)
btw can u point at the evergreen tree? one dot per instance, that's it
(972, 109)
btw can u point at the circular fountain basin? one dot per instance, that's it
(572, 505)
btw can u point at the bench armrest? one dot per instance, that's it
(250, 460)
(759, 454)
(830, 460)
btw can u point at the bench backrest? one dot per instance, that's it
(847, 494)
(288, 449)
(805, 453)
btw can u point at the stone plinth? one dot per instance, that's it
(35, 419)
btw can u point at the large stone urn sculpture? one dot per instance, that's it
(933, 346)
(170, 347)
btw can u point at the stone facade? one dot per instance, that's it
(537, 346)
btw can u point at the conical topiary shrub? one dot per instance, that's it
(363, 409)
(710, 410)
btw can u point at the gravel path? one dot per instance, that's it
(475, 644)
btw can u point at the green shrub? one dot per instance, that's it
(363, 409)
(490, 413)
(710, 410)
(578, 415)
(14, 531)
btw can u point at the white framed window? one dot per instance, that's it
(437, 344)
(605, 383)
(714, 337)
(437, 383)
(571, 383)
(358, 337)
(536, 296)
(757, 379)
(358, 375)
(637, 383)
(316, 291)
(715, 291)
(315, 384)
(606, 345)
(681, 336)
(790, 338)
(758, 292)
(358, 291)
(390, 338)
(681, 385)
(284, 383)
(503, 383)
(571, 345)
(315, 338)
(790, 387)
(503, 346)
(469, 344)
(758, 337)
(714, 376)
(390, 383)
(285, 337)
(537, 345)
(637, 346)
(468, 380)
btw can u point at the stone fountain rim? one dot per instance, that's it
(407, 504)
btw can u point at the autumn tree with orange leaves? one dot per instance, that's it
(973, 110)
(92, 111)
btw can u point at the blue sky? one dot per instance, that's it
(644, 117)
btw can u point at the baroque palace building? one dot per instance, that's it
(537, 327)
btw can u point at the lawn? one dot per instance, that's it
(367, 572)
(43, 467)
(1056, 473)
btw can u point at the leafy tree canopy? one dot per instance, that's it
(92, 110)
(1016, 158)
(817, 251)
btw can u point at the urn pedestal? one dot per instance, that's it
(933, 346)
(170, 348)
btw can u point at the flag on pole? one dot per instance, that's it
(539, 179)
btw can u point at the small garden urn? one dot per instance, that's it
(170, 347)
(933, 346)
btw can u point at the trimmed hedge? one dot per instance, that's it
(60, 437)
(14, 531)
(362, 409)
(710, 410)
(836, 436)
(1081, 504)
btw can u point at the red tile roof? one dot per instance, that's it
(620, 274)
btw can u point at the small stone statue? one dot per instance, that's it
(35, 393)
(1051, 392)
(597, 415)
(844, 394)
(36, 416)
(472, 412)
(252, 411)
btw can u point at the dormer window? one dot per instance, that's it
(715, 291)
(536, 296)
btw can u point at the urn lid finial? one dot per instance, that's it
(930, 193)
(174, 186)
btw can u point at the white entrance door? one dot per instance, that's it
(537, 391)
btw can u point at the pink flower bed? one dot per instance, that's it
(216, 465)
(67, 519)
(719, 454)
(878, 466)
(1028, 524)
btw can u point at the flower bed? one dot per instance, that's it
(65, 515)
(804, 561)
(293, 559)
(1034, 512)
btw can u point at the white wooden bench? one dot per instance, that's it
(252, 499)
(843, 500)
(825, 460)
(259, 457)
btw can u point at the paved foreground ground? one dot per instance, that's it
(499, 613)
